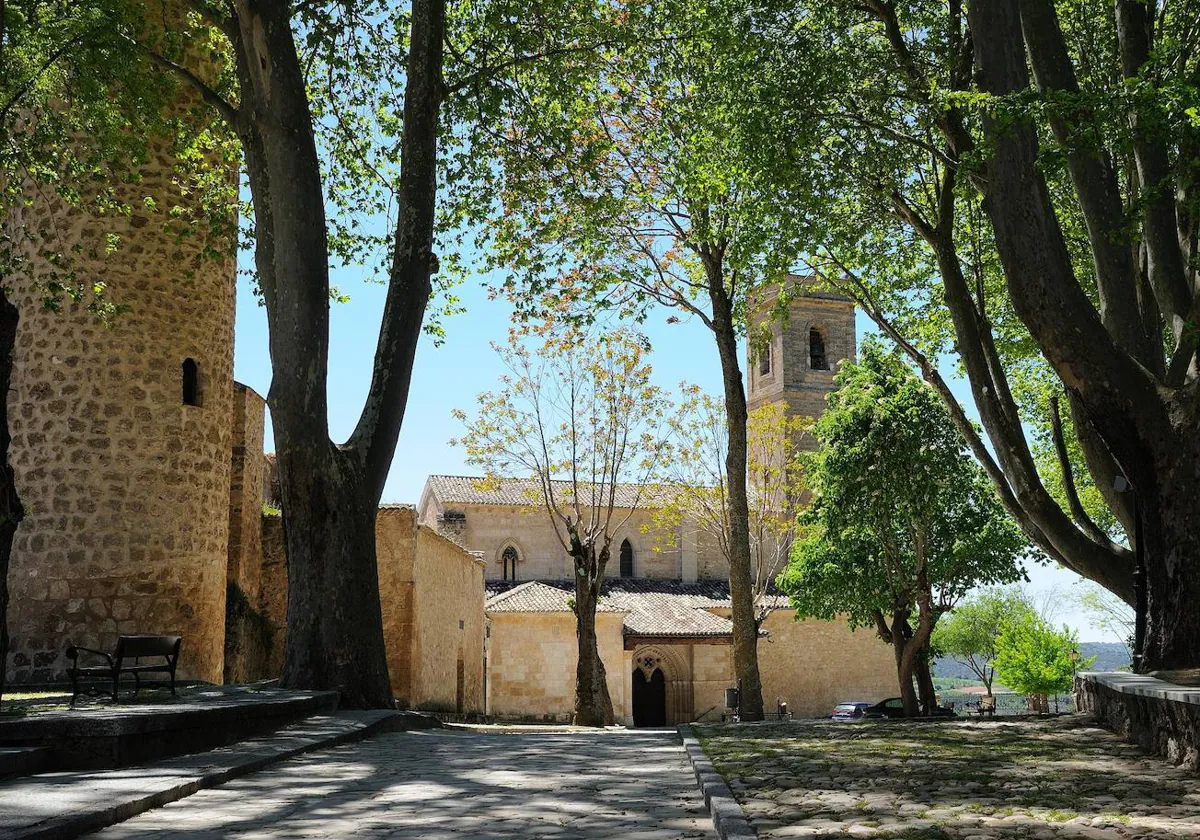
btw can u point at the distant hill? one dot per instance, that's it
(1110, 656)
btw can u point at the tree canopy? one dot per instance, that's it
(902, 522)
(1032, 657)
(1038, 227)
(580, 421)
(970, 632)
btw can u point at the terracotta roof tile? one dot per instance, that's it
(654, 607)
(474, 490)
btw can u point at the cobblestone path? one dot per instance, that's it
(1045, 779)
(453, 784)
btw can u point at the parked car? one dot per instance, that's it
(856, 710)
(893, 707)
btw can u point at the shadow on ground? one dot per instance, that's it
(453, 784)
(1044, 779)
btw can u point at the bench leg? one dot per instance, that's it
(137, 683)
(74, 685)
(116, 684)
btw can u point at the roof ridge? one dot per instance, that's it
(521, 587)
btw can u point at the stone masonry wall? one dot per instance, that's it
(273, 600)
(126, 488)
(248, 468)
(531, 664)
(814, 665)
(1167, 725)
(448, 598)
(249, 635)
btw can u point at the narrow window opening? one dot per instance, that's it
(764, 361)
(626, 560)
(817, 358)
(191, 382)
(508, 560)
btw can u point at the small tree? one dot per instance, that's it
(1035, 659)
(578, 418)
(698, 505)
(968, 635)
(903, 522)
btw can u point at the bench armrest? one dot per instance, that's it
(74, 650)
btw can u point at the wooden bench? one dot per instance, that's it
(987, 705)
(126, 660)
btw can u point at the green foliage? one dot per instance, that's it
(970, 632)
(81, 111)
(621, 168)
(698, 502)
(880, 118)
(1034, 658)
(900, 513)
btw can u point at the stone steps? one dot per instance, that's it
(63, 805)
(23, 761)
(103, 736)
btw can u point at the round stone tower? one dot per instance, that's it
(122, 436)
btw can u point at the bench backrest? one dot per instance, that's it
(987, 701)
(129, 647)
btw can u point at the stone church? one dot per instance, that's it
(141, 466)
(664, 617)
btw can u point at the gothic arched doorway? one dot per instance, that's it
(649, 698)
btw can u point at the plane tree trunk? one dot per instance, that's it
(11, 511)
(330, 492)
(1148, 425)
(741, 573)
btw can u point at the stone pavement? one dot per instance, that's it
(1048, 779)
(453, 783)
(66, 804)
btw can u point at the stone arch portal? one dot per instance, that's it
(662, 686)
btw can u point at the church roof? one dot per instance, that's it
(475, 490)
(653, 607)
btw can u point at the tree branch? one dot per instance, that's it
(210, 96)
(1068, 477)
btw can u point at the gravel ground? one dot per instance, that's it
(1041, 778)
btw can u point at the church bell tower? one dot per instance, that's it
(802, 349)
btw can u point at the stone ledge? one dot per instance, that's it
(727, 815)
(1162, 718)
(1143, 685)
(97, 737)
(59, 806)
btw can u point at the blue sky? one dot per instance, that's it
(450, 376)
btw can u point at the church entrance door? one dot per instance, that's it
(649, 698)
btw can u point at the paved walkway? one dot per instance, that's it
(453, 784)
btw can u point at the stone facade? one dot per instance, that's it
(791, 376)
(531, 665)
(490, 529)
(810, 665)
(126, 487)
(433, 619)
(432, 596)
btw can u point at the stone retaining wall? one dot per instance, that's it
(1161, 717)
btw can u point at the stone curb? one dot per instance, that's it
(179, 780)
(727, 815)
